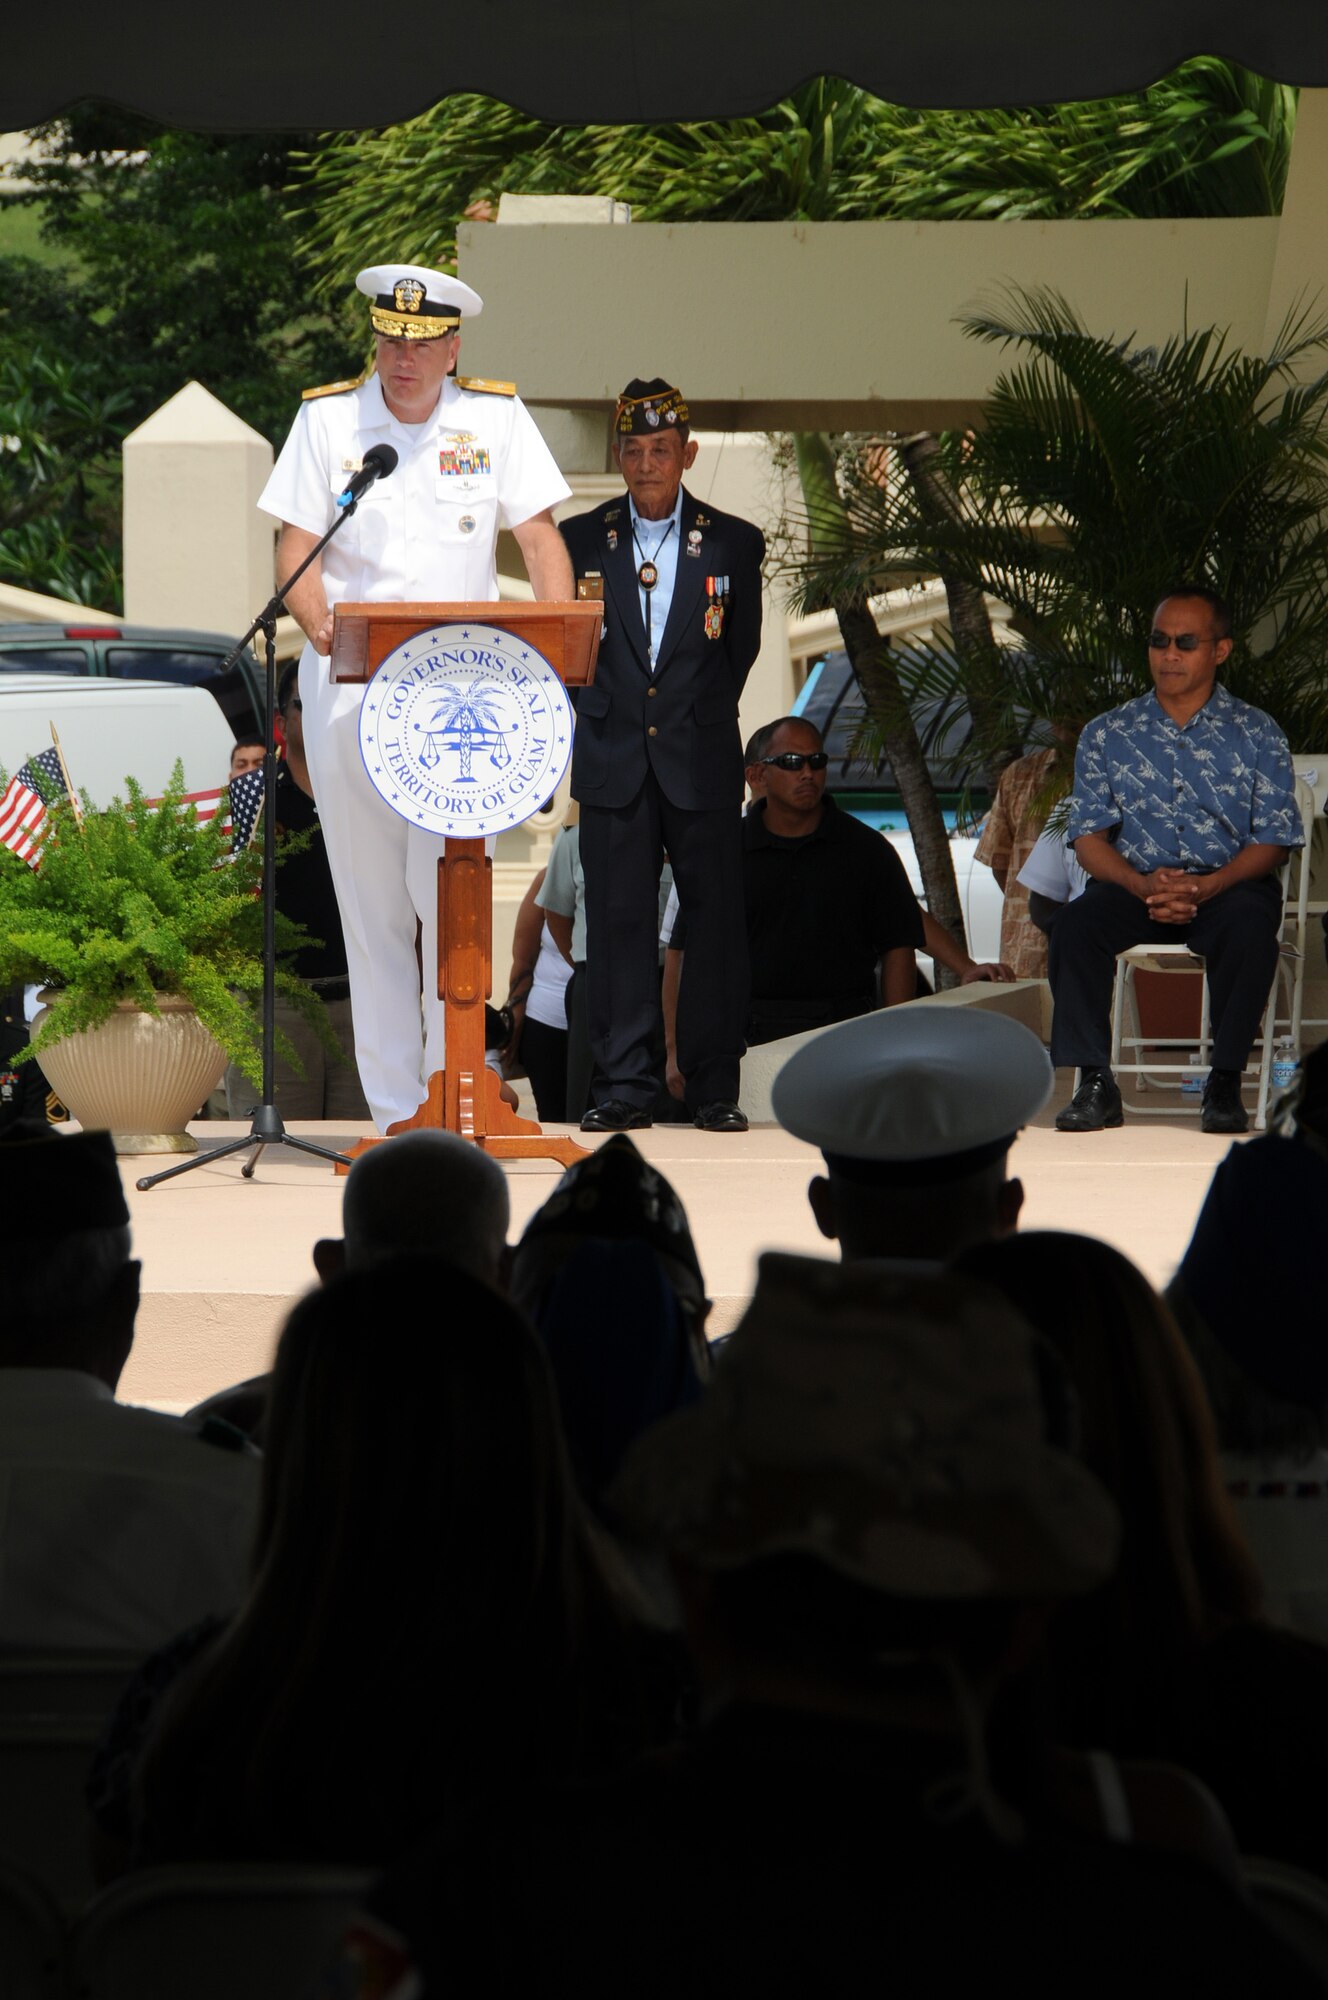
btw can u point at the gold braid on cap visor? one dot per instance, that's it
(412, 326)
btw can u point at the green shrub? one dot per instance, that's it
(134, 901)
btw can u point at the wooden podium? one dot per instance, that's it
(464, 1097)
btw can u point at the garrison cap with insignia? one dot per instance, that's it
(411, 302)
(644, 407)
(52, 1183)
(914, 1095)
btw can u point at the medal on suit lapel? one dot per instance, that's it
(648, 576)
(713, 622)
(693, 541)
(612, 539)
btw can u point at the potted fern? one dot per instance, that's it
(147, 935)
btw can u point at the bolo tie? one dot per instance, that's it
(648, 576)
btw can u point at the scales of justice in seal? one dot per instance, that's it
(466, 731)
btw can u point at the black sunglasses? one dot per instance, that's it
(1184, 642)
(793, 760)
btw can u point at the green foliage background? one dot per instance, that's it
(167, 256)
(1213, 139)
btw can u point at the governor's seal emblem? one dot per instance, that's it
(465, 730)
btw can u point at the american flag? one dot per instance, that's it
(239, 804)
(246, 804)
(39, 783)
(205, 804)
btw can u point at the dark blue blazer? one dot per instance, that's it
(681, 722)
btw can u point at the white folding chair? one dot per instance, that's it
(213, 1932)
(1302, 934)
(33, 1958)
(1153, 1073)
(1294, 1904)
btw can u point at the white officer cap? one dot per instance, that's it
(918, 1093)
(411, 302)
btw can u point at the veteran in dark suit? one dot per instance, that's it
(657, 766)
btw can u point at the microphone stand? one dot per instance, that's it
(267, 1128)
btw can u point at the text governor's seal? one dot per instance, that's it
(465, 730)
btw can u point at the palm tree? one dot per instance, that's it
(1105, 473)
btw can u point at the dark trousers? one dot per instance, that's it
(544, 1057)
(622, 853)
(580, 1063)
(583, 1080)
(1237, 934)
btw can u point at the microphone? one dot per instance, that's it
(377, 464)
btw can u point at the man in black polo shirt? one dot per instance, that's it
(328, 1088)
(826, 900)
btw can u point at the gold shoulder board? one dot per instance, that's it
(331, 389)
(482, 387)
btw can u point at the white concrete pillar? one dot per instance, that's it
(1300, 268)
(196, 549)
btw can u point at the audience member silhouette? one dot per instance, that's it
(118, 1524)
(427, 1193)
(868, 1520)
(617, 1196)
(424, 1193)
(915, 1111)
(427, 1622)
(1258, 1342)
(1171, 1659)
(622, 1357)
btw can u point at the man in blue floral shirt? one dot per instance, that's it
(1184, 807)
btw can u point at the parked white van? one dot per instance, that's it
(109, 729)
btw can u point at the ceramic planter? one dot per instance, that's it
(139, 1076)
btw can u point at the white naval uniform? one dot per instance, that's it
(118, 1526)
(427, 532)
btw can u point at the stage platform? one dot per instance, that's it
(224, 1257)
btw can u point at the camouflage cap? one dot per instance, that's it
(894, 1426)
(616, 1193)
(618, 1196)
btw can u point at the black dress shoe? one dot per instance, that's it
(1095, 1105)
(720, 1117)
(616, 1116)
(1222, 1108)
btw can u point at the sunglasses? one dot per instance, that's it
(1184, 642)
(793, 760)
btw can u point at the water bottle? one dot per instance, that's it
(1192, 1078)
(1286, 1061)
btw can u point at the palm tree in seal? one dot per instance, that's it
(465, 721)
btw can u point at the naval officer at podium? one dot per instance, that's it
(469, 462)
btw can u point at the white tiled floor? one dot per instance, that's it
(223, 1257)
